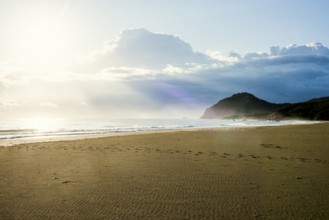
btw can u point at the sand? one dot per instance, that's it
(248, 173)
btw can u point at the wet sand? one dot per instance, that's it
(247, 173)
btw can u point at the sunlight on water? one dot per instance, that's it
(42, 123)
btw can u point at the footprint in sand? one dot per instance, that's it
(67, 181)
(320, 161)
(271, 146)
(199, 153)
(302, 159)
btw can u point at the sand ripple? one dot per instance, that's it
(263, 173)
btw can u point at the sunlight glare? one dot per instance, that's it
(39, 38)
(42, 123)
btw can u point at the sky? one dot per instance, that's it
(148, 59)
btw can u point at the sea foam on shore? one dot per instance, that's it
(18, 129)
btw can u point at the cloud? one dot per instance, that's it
(140, 48)
(125, 72)
(2, 87)
(26, 103)
(315, 48)
(255, 55)
(220, 57)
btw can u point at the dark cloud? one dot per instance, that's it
(289, 78)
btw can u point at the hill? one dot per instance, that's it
(241, 105)
(314, 109)
(246, 105)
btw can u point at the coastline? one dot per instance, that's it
(278, 172)
(51, 138)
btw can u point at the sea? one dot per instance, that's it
(50, 127)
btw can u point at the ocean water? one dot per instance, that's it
(43, 127)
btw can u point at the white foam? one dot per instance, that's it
(13, 130)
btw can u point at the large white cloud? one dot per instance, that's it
(140, 48)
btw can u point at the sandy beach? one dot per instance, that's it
(238, 173)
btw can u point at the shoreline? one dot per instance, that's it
(41, 139)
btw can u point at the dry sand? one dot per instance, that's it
(250, 173)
